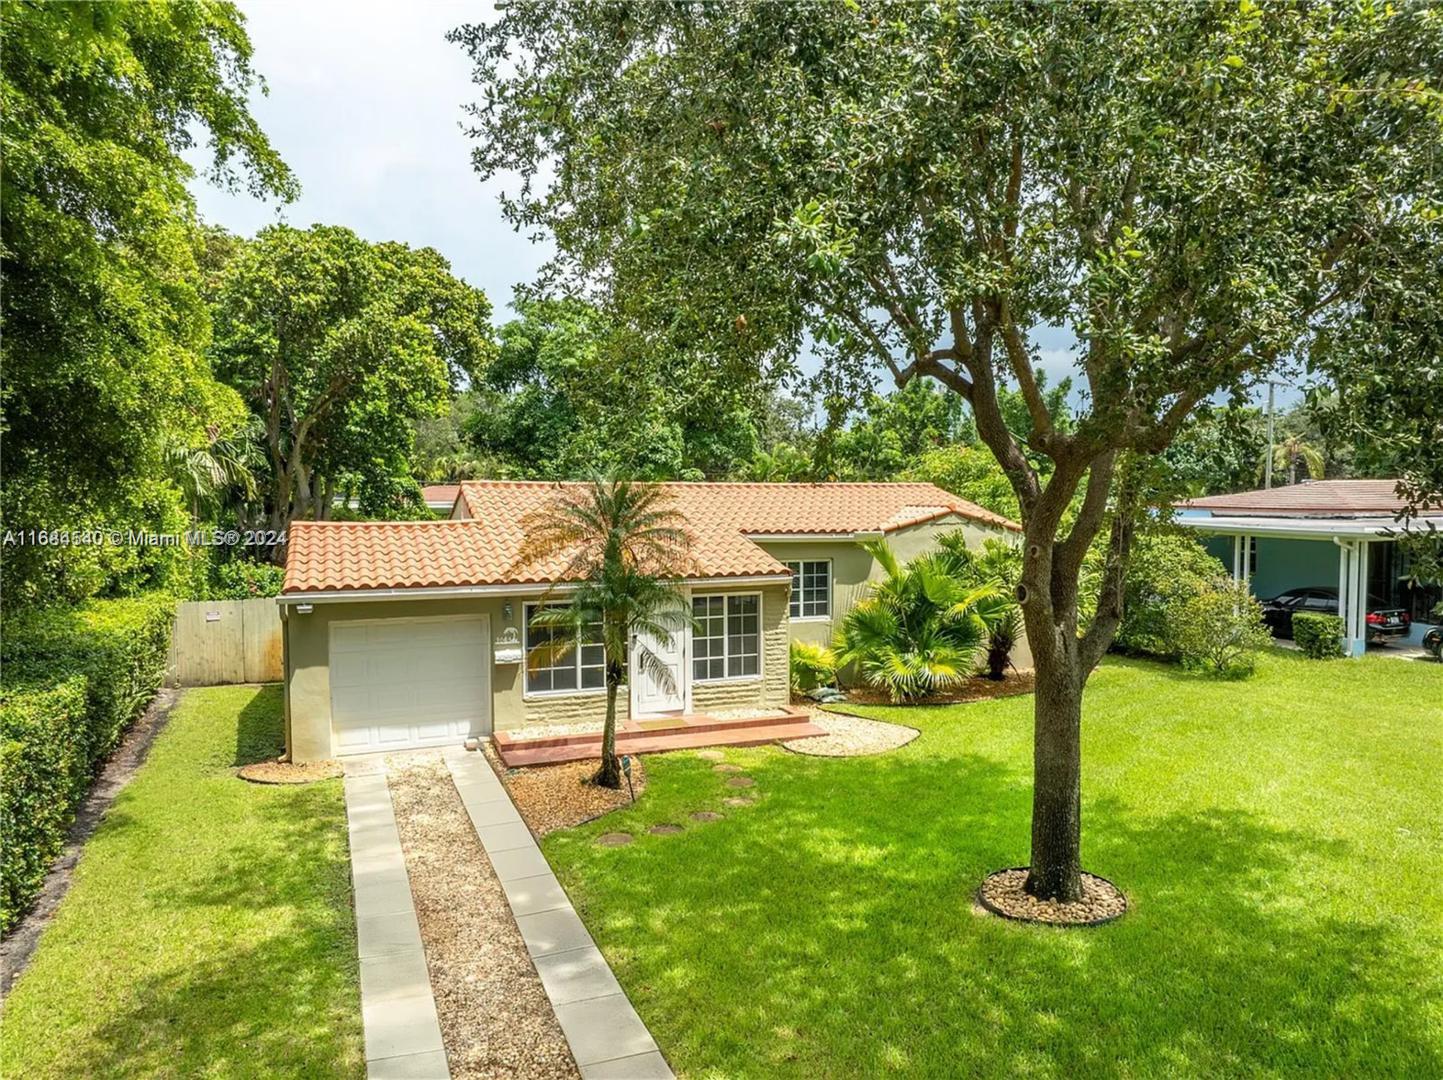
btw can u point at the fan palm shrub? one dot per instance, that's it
(920, 628)
(997, 563)
(1292, 452)
(626, 551)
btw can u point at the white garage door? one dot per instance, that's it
(399, 683)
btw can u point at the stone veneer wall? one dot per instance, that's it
(772, 689)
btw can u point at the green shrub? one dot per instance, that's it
(242, 579)
(920, 629)
(1164, 573)
(812, 666)
(1219, 629)
(1318, 636)
(73, 680)
(42, 777)
(997, 563)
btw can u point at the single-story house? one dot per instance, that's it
(1324, 533)
(408, 634)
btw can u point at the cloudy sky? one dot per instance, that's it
(365, 106)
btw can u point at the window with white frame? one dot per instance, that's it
(559, 660)
(811, 588)
(726, 641)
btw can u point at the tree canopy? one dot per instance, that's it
(339, 345)
(104, 324)
(572, 391)
(1203, 193)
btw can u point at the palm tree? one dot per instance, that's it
(218, 472)
(1289, 453)
(920, 628)
(626, 551)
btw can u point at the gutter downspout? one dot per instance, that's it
(285, 679)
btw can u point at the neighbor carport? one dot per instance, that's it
(1345, 544)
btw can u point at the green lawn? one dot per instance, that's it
(1280, 840)
(209, 928)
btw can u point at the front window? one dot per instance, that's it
(558, 660)
(726, 643)
(811, 588)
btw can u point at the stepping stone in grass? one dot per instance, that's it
(665, 829)
(711, 755)
(706, 815)
(735, 801)
(740, 781)
(614, 839)
(726, 768)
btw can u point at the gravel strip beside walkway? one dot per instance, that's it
(495, 1017)
(851, 736)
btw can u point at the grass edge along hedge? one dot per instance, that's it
(1318, 636)
(73, 680)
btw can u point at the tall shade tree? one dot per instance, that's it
(571, 393)
(339, 345)
(1197, 190)
(104, 328)
(624, 552)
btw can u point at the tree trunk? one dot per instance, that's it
(998, 650)
(1056, 864)
(609, 775)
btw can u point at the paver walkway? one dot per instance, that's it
(607, 1038)
(398, 1011)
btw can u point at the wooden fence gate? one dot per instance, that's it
(226, 641)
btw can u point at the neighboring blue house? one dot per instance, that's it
(1331, 533)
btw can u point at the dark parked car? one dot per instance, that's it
(1383, 622)
(1433, 642)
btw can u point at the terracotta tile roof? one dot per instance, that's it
(771, 509)
(482, 550)
(436, 494)
(1319, 498)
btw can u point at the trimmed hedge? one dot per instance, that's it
(1319, 636)
(72, 681)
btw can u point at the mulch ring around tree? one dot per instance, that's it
(289, 772)
(1002, 894)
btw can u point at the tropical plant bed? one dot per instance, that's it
(1003, 893)
(552, 797)
(977, 688)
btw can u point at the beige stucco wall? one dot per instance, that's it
(853, 568)
(308, 695)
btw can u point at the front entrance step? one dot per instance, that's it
(580, 748)
(627, 730)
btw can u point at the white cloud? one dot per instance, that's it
(365, 105)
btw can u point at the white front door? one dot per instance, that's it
(650, 692)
